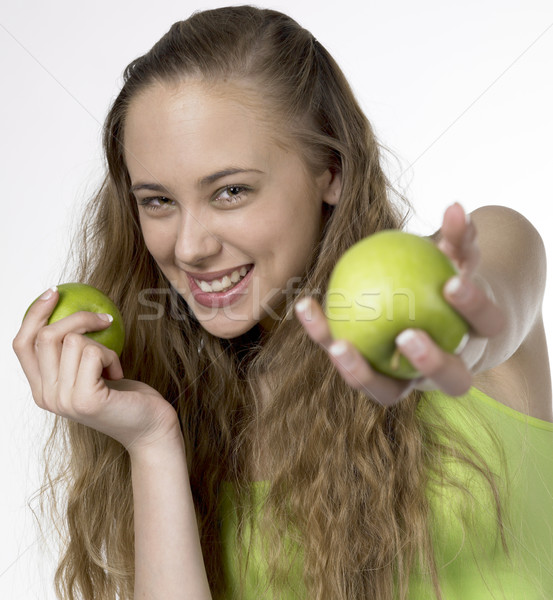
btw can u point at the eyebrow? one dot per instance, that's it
(157, 187)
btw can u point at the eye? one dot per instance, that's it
(156, 203)
(232, 194)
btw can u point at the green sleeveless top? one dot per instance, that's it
(472, 563)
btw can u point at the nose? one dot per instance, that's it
(195, 242)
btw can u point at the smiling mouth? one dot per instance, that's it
(225, 283)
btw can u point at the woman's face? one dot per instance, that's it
(229, 199)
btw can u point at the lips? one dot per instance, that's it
(217, 274)
(219, 299)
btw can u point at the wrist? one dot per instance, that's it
(170, 443)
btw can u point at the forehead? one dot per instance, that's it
(197, 125)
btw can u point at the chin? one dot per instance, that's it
(229, 332)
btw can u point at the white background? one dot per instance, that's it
(461, 91)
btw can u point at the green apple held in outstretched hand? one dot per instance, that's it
(75, 297)
(384, 284)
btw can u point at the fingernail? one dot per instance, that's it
(340, 350)
(302, 305)
(49, 293)
(106, 317)
(413, 345)
(467, 216)
(455, 288)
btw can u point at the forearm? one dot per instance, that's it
(168, 558)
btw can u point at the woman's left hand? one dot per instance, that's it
(467, 292)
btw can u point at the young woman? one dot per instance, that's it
(233, 451)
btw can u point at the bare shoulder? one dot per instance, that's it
(523, 382)
(500, 218)
(516, 261)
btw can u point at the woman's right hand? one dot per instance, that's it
(77, 378)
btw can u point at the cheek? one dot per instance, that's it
(291, 236)
(305, 224)
(158, 241)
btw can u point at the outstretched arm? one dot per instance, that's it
(499, 305)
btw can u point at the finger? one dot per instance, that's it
(353, 367)
(357, 373)
(70, 360)
(458, 239)
(49, 341)
(40, 310)
(447, 371)
(474, 304)
(81, 322)
(96, 361)
(24, 342)
(313, 319)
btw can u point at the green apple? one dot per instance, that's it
(384, 284)
(75, 297)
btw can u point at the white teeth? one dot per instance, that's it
(204, 286)
(220, 285)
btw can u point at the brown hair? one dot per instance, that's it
(348, 476)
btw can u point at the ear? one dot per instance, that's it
(331, 186)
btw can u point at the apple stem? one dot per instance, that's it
(394, 361)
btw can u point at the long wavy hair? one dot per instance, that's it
(348, 477)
